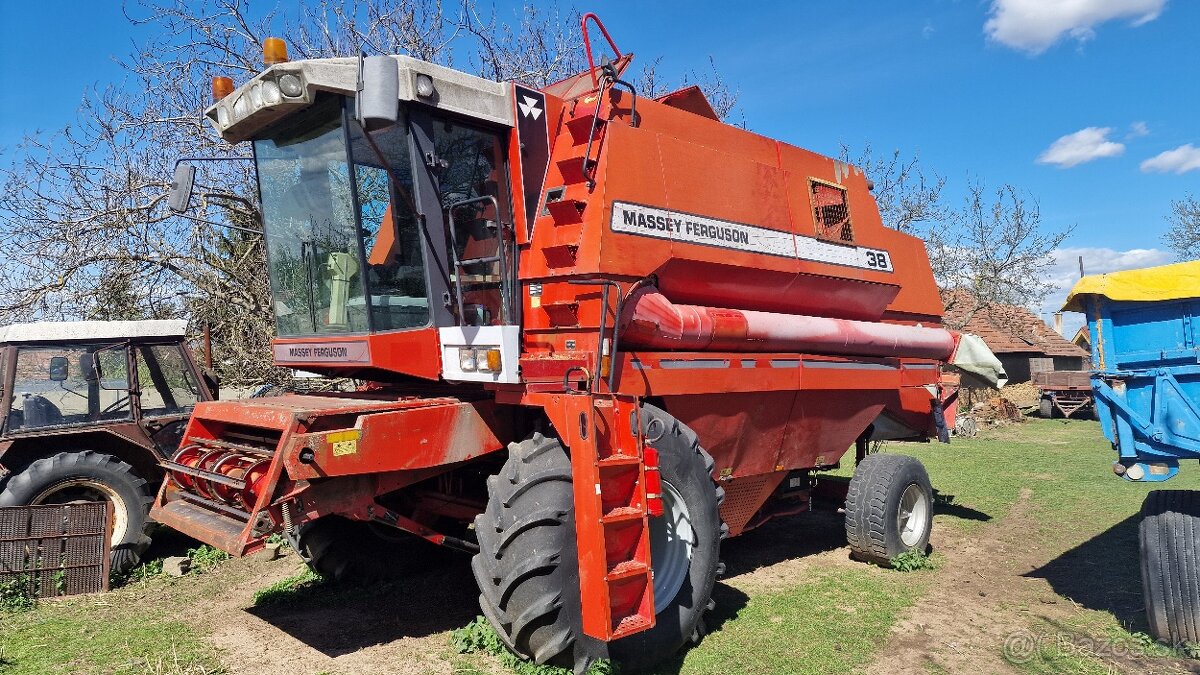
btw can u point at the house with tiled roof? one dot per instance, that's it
(1017, 336)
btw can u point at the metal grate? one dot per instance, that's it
(742, 500)
(56, 549)
(831, 212)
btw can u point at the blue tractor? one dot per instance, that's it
(1145, 332)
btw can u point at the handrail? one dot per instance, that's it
(587, 43)
(459, 265)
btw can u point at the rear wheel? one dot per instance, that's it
(1169, 539)
(889, 508)
(1046, 409)
(89, 476)
(527, 566)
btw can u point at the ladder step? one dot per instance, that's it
(626, 569)
(566, 211)
(581, 125)
(619, 460)
(571, 169)
(564, 255)
(622, 514)
(631, 624)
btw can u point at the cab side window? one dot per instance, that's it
(167, 384)
(54, 386)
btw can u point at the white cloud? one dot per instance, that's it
(1137, 130)
(1180, 160)
(1065, 272)
(1082, 146)
(1034, 25)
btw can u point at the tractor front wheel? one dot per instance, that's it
(527, 565)
(889, 508)
(89, 476)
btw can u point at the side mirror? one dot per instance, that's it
(181, 187)
(213, 382)
(378, 102)
(58, 368)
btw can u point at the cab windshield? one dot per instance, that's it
(343, 244)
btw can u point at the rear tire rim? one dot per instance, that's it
(913, 515)
(75, 490)
(672, 541)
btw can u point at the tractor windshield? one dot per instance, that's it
(343, 244)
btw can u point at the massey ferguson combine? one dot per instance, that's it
(599, 334)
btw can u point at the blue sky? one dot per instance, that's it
(977, 88)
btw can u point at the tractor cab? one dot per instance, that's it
(381, 246)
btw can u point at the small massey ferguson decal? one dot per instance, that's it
(323, 352)
(648, 221)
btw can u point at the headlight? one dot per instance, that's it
(223, 115)
(466, 360)
(270, 92)
(256, 99)
(241, 107)
(291, 85)
(424, 85)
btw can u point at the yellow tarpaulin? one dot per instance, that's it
(1167, 282)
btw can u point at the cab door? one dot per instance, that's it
(167, 392)
(467, 201)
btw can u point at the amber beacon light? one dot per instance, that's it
(274, 51)
(221, 87)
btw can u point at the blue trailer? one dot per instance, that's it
(1145, 331)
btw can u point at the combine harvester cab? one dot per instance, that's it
(602, 333)
(1146, 386)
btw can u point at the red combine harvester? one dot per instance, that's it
(601, 334)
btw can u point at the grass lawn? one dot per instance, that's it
(792, 603)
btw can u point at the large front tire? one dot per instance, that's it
(1169, 540)
(90, 476)
(889, 508)
(527, 567)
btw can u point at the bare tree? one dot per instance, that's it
(995, 248)
(908, 200)
(83, 218)
(721, 96)
(1184, 235)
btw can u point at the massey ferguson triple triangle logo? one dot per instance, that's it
(529, 107)
(533, 135)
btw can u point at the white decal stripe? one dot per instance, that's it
(648, 221)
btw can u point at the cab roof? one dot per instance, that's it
(84, 331)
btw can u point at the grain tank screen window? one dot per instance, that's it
(831, 213)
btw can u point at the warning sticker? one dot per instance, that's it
(649, 221)
(344, 442)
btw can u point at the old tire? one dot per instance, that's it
(1169, 539)
(352, 551)
(889, 508)
(1046, 409)
(527, 568)
(90, 476)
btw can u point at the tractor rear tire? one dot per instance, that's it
(527, 566)
(352, 551)
(1046, 408)
(1169, 539)
(90, 476)
(889, 508)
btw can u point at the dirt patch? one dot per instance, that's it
(394, 628)
(978, 612)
